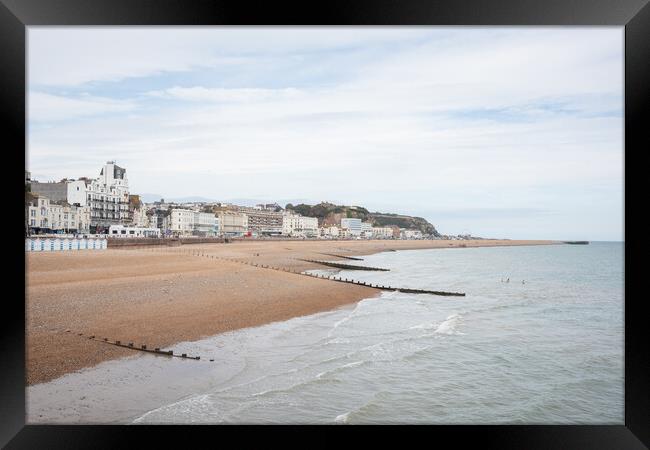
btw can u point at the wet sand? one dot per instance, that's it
(163, 296)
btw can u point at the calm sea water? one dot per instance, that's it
(549, 350)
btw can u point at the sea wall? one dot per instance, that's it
(169, 242)
(139, 242)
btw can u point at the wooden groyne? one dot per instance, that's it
(141, 348)
(342, 256)
(201, 253)
(344, 266)
(386, 288)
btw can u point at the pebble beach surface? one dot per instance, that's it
(164, 295)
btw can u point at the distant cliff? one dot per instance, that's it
(331, 214)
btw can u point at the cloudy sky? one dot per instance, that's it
(501, 132)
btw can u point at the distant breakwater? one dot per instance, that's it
(344, 266)
(342, 256)
(203, 254)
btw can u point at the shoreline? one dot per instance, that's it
(161, 297)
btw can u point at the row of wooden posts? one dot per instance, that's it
(170, 353)
(338, 279)
(142, 347)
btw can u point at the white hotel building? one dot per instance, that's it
(185, 222)
(205, 224)
(107, 196)
(297, 225)
(382, 232)
(366, 230)
(181, 222)
(48, 217)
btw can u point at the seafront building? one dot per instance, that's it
(187, 222)
(263, 219)
(366, 230)
(104, 204)
(382, 232)
(159, 218)
(232, 223)
(181, 222)
(137, 212)
(71, 191)
(297, 225)
(410, 234)
(352, 226)
(107, 196)
(205, 224)
(331, 232)
(45, 216)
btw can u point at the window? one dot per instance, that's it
(33, 222)
(123, 231)
(114, 231)
(32, 213)
(131, 232)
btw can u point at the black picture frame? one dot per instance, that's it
(634, 15)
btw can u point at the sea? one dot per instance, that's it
(538, 339)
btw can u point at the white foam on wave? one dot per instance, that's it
(447, 326)
(337, 369)
(185, 403)
(450, 324)
(342, 418)
(338, 340)
(342, 321)
(353, 364)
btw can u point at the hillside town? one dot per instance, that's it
(104, 206)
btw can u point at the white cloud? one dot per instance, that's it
(46, 107)
(72, 56)
(527, 120)
(203, 94)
